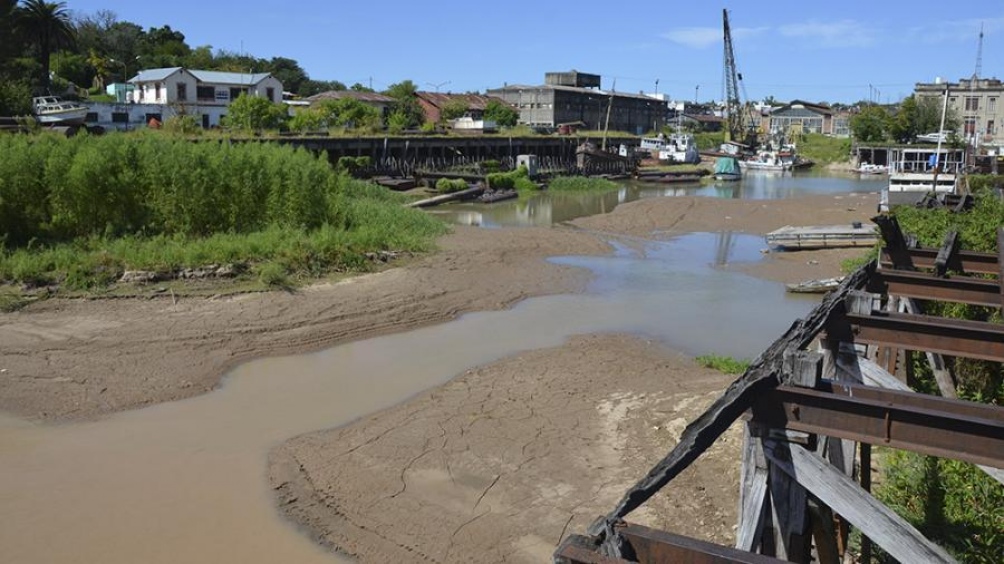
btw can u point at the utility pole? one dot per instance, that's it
(696, 90)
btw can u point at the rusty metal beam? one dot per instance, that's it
(931, 425)
(652, 546)
(952, 337)
(969, 262)
(961, 289)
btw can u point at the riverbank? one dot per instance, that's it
(502, 460)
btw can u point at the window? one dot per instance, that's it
(972, 103)
(270, 94)
(120, 117)
(92, 117)
(992, 105)
(182, 92)
(990, 127)
(236, 92)
(205, 93)
(156, 96)
(222, 96)
(970, 125)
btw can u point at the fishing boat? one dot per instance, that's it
(769, 160)
(53, 110)
(869, 168)
(727, 169)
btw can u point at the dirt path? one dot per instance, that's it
(497, 464)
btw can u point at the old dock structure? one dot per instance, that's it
(816, 401)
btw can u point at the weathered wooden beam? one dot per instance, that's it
(752, 493)
(932, 425)
(824, 533)
(893, 533)
(656, 547)
(789, 514)
(949, 250)
(946, 383)
(895, 243)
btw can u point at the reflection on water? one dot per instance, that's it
(550, 208)
(185, 481)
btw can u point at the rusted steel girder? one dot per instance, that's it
(961, 289)
(651, 546)
(952, 337)
(932, 425)
(969, 262)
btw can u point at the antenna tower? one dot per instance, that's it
(979, 55)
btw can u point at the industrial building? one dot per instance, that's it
(575, 98)
(977, 102)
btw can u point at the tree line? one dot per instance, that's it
(44, 47)
(914, 116)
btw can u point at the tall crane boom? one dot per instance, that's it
(735, 126)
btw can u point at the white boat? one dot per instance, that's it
(869, 168)
(915, 172)
(727, 169)
(774, 161)
(53, 110)
(680, 148)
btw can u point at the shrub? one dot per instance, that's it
(448, 185)
(725, 364)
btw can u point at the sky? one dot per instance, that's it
(814, 51)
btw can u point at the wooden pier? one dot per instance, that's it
(822, 236)
(817, 400)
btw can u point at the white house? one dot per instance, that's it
(198, 92)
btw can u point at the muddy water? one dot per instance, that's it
(184, 482)
(550, 208)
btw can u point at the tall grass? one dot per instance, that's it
(580, 184)
(79, 211)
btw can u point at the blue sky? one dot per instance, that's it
(817, 51)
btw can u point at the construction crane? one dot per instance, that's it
(737, 126)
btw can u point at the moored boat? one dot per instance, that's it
(53, 110)
(727, 169)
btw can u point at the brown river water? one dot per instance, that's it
(185, 481)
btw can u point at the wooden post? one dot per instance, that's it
(753, 497)
(866, 484)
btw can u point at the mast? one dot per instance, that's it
(735, 126)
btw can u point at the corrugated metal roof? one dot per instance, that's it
(361, 96)
(234, 78)
(154, 74)
(472, 101)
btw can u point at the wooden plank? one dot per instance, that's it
(651, 546)
(752, 493)
(789, 504)
(949, 250)
(896, 536)
(824, 533)
(895, 243)
(946, 383)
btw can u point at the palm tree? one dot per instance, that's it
(48, 26)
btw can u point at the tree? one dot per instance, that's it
(869, 125)
(360, 88)
(289, 73)
(453, 109)
(502, 114)
(311, 87)
(406, 113)
(47, 25)
(903, 126)
(7, 39)
(255, 113)
(349, 112)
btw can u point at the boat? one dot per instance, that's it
(815, 286)
(768, 160)
(675, 148)
(53, 110)
(727, 169)
(869, 168)
(915, 172)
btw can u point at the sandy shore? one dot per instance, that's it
(496, 465)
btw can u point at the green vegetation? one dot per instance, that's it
(873, 124)
(709, 140)
(518, 179)
(78, 212)
(951, 502)
(254, 113)
(580, 184)
(724, 364)
(823, 149)
(448, 185)
(501, 114)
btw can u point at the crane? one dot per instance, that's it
(737, 128)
